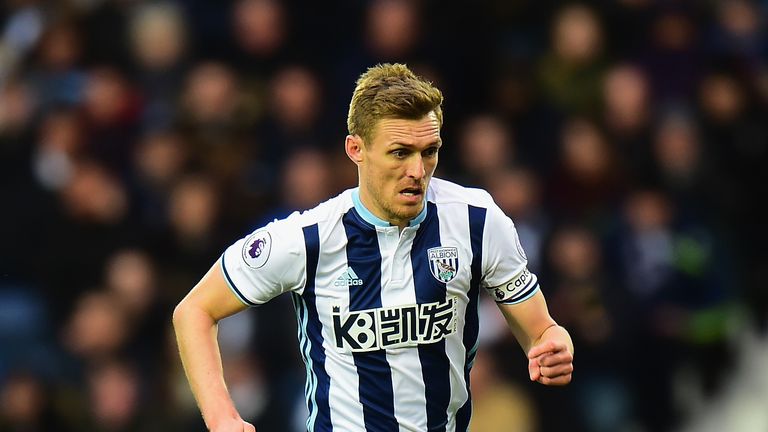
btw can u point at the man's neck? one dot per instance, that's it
(364, 209)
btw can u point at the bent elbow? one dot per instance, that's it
(178, 314)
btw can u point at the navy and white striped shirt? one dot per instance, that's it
(387, 319)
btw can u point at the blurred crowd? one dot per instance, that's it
(627, 140)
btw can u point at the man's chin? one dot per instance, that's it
(408, 212)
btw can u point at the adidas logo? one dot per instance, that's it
(349, 277)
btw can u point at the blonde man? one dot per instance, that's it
(385, 279)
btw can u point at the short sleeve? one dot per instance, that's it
(266, 263)
(505, 272)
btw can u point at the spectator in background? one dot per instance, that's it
(26, 332)
(389, 31)
(732, 132)
(306, 180)
(215, 123)
(734, 135)
(392, 32)
(485, 148)
(679, 165)
(673, 58)
(263, 42)
(24, 23)
(55, 71)
(61, 144)
(17, 105)
(584, 297)
(738, 32)
(294, 122)
(94, 195)
(89, 219)
(497, 404)
(160, 160)
(571, 71)
(98, 329)
(112, 109)
(512, 96)
(644, 272)
(25, 405)
(159, 45)
(130, 277)
(193, 235)
(261, 32)
(587, 181)
(678, 302)
(115, 402)
(628, 116)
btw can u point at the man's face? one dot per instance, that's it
(396, 166)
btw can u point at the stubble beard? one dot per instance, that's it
(402, 215)
(392, 212)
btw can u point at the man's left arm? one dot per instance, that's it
(548, 346)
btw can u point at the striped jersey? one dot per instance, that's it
(387, 319)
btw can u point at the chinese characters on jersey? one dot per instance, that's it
(394, 327)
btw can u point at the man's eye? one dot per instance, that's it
(431, 152)
(399, 153)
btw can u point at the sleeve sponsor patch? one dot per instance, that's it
(256, 249)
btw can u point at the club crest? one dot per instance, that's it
(443, 263)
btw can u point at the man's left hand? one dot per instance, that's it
(550, 363)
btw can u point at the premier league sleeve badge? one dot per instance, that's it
(257, 248)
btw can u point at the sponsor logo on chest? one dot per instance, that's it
(394, 327)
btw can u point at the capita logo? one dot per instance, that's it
(394, 327)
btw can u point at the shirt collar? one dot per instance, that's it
(375, 220)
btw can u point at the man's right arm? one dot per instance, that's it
(195, 321)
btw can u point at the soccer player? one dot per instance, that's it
(385, 280)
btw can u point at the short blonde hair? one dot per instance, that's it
(391, 91)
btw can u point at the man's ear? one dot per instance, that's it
(354, 147)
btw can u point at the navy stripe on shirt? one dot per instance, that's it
(300, 306)
(435, 366)
(314, 329)
(471, 322)
(374, 373)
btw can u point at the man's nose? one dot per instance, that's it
(415, 168)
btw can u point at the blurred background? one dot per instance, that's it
(627, 139)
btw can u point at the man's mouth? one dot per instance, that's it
(412, 191)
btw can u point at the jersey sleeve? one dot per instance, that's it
(505, 273)
(266, 263)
